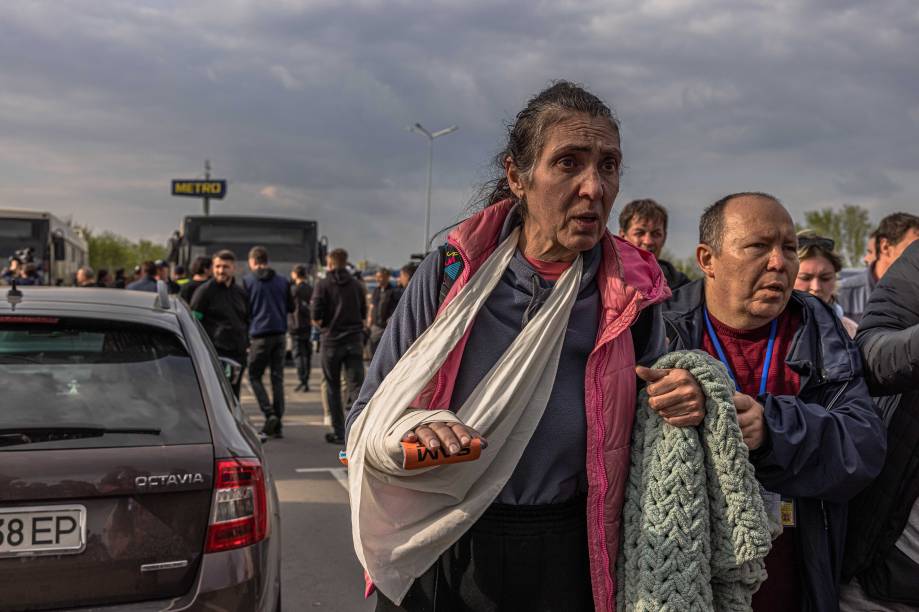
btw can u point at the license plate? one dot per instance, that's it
(42, 530)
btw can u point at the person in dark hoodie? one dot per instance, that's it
(222, 306)
(339, 309)
(803, 405)
(882, 550)
(269, 304)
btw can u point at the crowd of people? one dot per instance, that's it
(825, 377)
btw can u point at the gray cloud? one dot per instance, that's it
(303, 105)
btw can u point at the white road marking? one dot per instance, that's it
(338, 473)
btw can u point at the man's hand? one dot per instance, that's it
(675, 395)
(450, 436)
(750, 419)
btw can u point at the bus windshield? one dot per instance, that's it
(256, 234)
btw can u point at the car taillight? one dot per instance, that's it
(240, 514)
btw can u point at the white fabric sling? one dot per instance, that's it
(402, 521)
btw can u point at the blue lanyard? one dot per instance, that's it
(724, 359)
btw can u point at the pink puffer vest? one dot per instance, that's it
(629, 280)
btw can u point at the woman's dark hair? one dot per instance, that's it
(526, 137)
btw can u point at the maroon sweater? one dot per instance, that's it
(745, 351)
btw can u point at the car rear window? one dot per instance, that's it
(60, 372)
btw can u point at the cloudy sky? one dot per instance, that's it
(303, 105)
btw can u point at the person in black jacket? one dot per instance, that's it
(382, 306)
(813, 431)
(882, 551)
(644, 224)
(300, 326)
(339, 309)
(222, 306)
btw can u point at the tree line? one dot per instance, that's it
(111, 251)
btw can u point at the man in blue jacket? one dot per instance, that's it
(803, 406)
(269, 304)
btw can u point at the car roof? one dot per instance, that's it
(90, 302)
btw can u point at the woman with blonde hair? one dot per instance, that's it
(817, 275)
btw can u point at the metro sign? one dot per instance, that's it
(199, 188)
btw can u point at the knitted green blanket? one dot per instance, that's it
(695, 531)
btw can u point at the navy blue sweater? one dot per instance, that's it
(269, 302)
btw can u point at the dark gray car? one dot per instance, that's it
(129, 477)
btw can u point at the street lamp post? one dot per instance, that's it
(430, 136)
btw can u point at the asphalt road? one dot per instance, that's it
(319, 569)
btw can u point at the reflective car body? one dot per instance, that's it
(184, 519)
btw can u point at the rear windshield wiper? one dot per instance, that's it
(10, 436)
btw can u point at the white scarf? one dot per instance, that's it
(402, 521)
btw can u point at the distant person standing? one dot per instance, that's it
(222, 306)
(120, 281)
(382, 306)
(102, 278)
(339, 309)
(301, 325)
(181, 276)
(644, 224)
(269, 304)
(146, 279)
(162, 273)
(200, 273)
(893, 235)
(86, 277)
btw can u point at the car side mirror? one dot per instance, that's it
(232, 369)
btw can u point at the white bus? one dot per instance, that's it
(58, 249)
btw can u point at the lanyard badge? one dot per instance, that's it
(723, 358)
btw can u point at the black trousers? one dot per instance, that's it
(350, 356)
(531, 558)
(303, 356)
(268, 352)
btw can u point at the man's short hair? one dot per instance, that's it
(87, 272)
(711, 224)
(259, 255)
(300, 270)
(148, 268)
(339, 257)
(200, 265)
(642, 209)
(894, 227)
(225, 255)
(409, 269)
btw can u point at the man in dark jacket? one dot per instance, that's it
(382, 306)
(223, 309)
(644, 224)
(200, 273)
(803, 406)
(269, 304)
(339, 309)
(147, 281)
(893, 235)
(882, 550)
(301, 325)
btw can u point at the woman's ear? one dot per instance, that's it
(514, 178)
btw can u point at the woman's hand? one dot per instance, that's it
(452, 437)
(675, 395)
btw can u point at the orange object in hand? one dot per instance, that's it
(416, 455)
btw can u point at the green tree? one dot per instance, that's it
(848, 227)
(112, 251)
